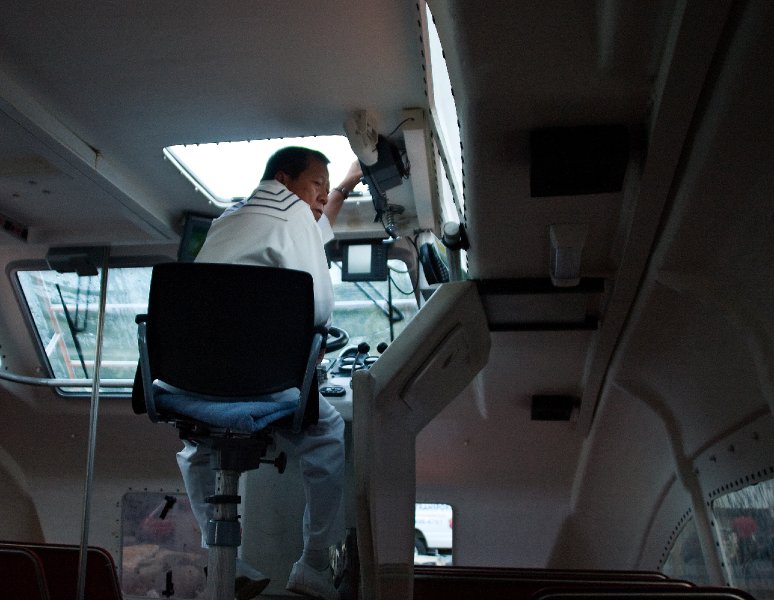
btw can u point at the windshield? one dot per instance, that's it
(63, 310)
(362, 308)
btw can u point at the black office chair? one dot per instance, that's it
(228, 355)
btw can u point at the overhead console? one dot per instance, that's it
(400, 170)
(388, 163)
(382, 164)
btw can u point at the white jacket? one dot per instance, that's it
(275, 228)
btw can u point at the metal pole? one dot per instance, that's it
(454, 238)
(92, 429)
(455, 264)
(390, 315)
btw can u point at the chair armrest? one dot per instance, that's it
(323, 331)
(147, 383)
(311, 371)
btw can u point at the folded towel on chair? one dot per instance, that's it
(244, 415)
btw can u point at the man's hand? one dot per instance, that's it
(336, 198)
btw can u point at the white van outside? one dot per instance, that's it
(432, 527)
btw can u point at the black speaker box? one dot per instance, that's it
(572, 161)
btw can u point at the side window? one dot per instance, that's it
(64, 307)
(745, 524)
(444, 113)
(433, 525)
(685, 560)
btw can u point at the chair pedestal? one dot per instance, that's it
(230, 458)
(223, 537)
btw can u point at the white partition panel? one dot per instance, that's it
(424, 369)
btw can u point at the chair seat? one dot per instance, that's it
(240, 415)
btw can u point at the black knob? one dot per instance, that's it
(363, 348)
(381, 347)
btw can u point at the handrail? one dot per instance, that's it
(93, 416)
(64, 383)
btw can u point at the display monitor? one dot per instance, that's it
(194, 234)
(364, 261)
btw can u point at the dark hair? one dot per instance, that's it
(292, 160)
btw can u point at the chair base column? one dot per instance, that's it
(223, 537)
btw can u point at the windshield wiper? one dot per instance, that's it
(73, 331)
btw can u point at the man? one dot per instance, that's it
(285, 223)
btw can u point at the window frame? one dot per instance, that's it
(114, 262)
(444, 121)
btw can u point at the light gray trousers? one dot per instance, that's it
(320, 449)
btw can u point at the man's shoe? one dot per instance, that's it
(246, 588)
(309, 581)
(249, 581)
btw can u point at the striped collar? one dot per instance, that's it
(270, 194)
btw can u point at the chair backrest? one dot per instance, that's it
(506, 585)
(229, 330)
(698, 593)
(60, 568)
(21, 574)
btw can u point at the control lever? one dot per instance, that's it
(362, 353)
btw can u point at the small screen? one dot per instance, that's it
(359, 258)
(364, 261)
(194, 234)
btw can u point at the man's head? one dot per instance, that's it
(304, 172)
